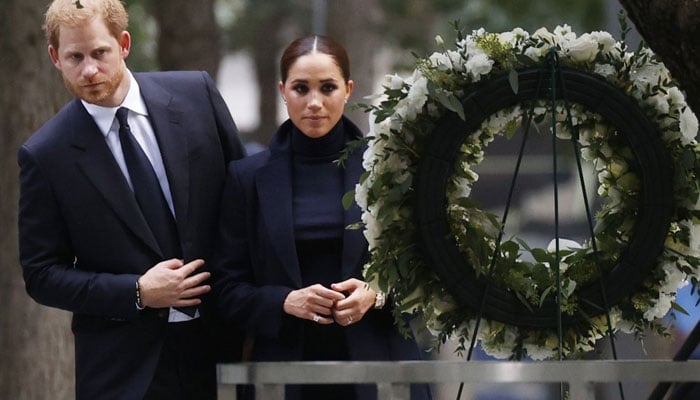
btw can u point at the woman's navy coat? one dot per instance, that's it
(257, 266)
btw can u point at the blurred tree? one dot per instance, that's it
(35, 341)
(188, 35)
(672, 30)
(144, 33)
(263, 29)
(357, 28)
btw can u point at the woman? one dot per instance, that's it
(288, 271)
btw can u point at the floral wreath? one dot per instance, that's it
(409, 113)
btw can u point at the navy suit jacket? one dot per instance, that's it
(256, 264)
(83, 241)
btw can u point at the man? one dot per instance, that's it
(88, 241)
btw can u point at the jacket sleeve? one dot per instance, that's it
(242, 292)
(48, 259)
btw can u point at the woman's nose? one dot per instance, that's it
(315, 101)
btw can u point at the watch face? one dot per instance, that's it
(379, 300)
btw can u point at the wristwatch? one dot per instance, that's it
(380, 300)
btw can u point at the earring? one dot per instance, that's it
(284, 99)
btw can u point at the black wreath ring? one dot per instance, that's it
(652, 223)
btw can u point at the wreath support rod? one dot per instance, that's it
(553, 62)
(589, 222)
(504, 218)
(501, 231)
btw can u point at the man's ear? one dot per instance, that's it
(53, 53)
(125, 44)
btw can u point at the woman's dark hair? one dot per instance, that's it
(309, 44)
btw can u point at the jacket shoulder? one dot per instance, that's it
(55, 130)
(169, 77)
(248, 165)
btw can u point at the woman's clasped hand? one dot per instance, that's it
(343, 303)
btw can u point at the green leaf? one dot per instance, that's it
(448, 100)
(544, 295)
(513, 80)
(678, 308)
(541, 255)
(355, 226)
(348, 199)
(524, 301)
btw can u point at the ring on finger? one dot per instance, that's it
(350, 319)
(317, 318)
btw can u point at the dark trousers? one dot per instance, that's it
(186, 370)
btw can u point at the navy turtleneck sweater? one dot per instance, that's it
(317, 192)
(317, 185)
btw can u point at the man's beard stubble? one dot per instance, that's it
(96, 95)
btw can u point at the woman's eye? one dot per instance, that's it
(327, 88)
(302, 89)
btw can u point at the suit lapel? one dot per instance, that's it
(98, 164)
(166, 118)
(354, 245)
(274, 186)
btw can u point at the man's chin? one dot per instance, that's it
(92, 97)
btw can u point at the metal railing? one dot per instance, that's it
(393, 378)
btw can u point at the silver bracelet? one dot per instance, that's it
(139, 304)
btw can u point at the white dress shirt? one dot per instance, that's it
(105, 118)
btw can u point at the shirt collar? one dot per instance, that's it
(104, 116)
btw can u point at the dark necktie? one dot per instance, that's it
(149, 195)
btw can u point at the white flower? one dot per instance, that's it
(584, 48)
(438, 59)
(688, 126)
(564, 244)
(606, 41)
(606, 70)
(412, 104)
(462, 188)
(660, 102)
(564, 33)
(535, 53)
(649, 75)
(675, 278)
(544, 35)
(587, 154)
(694, 240)
(393, 82)
(513, 37)
(675, 97)
(372, 229)
(661, 307)
(456, 60)
(439, 41)
(478, 65)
